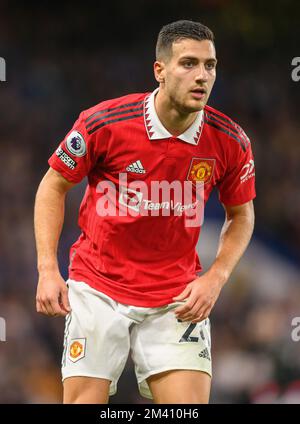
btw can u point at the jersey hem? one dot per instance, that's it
(127, 300)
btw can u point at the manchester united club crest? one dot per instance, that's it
(77, 350)
(201, 170)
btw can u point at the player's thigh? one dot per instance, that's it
(180, 386)
(161, 344)
(86, 390)
(96, 342)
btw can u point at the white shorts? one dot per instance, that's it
(100, 332)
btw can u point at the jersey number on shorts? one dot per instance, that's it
(186, 336)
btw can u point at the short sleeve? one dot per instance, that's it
(77, 154)
(238, 184)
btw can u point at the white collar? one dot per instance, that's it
(156, 130)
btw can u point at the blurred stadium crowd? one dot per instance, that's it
(61, 60)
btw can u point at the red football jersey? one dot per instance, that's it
(135, 246)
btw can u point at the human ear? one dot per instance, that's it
(159, 71)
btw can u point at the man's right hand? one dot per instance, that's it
(52, 295)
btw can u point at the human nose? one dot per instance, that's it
(202, 74)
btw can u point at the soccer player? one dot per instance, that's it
(135, 279)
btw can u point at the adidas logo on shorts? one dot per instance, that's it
(204, 354)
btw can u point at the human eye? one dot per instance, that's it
(188, 64)
(210, 65)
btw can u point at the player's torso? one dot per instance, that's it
(131, 233)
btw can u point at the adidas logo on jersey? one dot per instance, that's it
(204, 354)
(136, 167)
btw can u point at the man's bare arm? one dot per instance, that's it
(234, 239)
(52, 293)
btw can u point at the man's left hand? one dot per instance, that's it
(200, 296)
